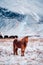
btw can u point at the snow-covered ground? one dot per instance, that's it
(33, 54)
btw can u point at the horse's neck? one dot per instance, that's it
(22, 39)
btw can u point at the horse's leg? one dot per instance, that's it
(22, 53)
(22, 50)
(16, 51)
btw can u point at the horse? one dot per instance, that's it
(20, 44)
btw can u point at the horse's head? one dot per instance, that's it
(25, 39)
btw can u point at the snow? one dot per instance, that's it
(33, 54)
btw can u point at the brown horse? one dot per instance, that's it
(20, 44)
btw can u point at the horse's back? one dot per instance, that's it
(17, 43)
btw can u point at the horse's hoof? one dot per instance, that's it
(16, 54)
(22, 55)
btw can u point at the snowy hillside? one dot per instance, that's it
(20, 24)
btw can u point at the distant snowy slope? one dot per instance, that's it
(8, 14)
(12, 23)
